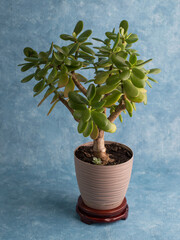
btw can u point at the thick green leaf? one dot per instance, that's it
(141, 63)
(133, 59)
(82, 126)
(67, 37)
(87, 49)
(98, 105)
(63, 79)
(74, 48)
(97, 39)
(28, 78)
(39, 86)
(77, 106)
(69, 87)
(27, 67)
(139, 98)
(95, 132)
(154, 71)
(118, 61)
(112, 98)
(114, 79)
(124, 24)
(132, 39)
(91, 92)
(129, 107)
(29, 52)
(111, 35)
(84, 36)
(116, 42)
(88, 129)
(101, 77)
(130, 89)
(120, 118)
(52, 76)
(140, 83)
(138, 73)
(105, 89)
(145, 99)
(152, 79)
(148, 83)
(59, 56)
(74, 96)
(124, 75)
(100, 119)
(122, 54)
(52, 107)
(60, 49)
(31, 59)
(78, 28)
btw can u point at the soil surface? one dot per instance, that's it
(115, 151)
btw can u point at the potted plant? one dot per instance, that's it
(103, 169)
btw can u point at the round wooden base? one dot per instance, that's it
(90, 215)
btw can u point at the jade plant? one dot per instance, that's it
(118, 84)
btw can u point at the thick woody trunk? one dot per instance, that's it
(100, 149)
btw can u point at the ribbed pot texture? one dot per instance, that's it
(103, 187)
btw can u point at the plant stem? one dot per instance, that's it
(78, 84)
(117, 112)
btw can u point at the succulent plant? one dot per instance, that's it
(119, 80)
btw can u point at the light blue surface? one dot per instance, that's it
(38, 189)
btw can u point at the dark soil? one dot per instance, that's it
(116, 152)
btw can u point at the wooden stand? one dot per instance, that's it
(90, 215)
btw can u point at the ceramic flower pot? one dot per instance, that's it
(103, 187)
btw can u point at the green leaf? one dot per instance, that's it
(140, 83)
(59, 49)
(91, 92)
(29, 52)
(152, 79)
(88, 129)
(101, 77)
(120, 118)
(80, 77)
(124, 75)
(31, 59)
(138, 73)
(50, 49)
(130, 89)
(69, 87)
(28, 78)
(78, 28)
(63, 79)
(129, 107)
(52, 76)
(133, 59)
(154, 71)
(87, 49)
(124, 24)
(50, 90)
(132, 39)
(98, 105)
(77, 106)
(74, 96)
(67, 37)
(84, 36)
(139, 98)
(97, 39)
(148, 83)
(74, 48)
(27, 67)
(100, 119)
(122, 54)
(105, 89)
(145, 99)
(82, 126)
(95, 132)
(111, 35)
(141, 62)
(59, 57)
(39, 86)
(116, 42)
(114, 79)
(118, 61)
(112, 98)
(52, 107)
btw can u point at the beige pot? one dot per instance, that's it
(103, 187)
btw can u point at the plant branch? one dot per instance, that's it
(117, 112)
(78, 84)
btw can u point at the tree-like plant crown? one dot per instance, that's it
(119, 82)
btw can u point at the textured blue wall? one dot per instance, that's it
(38, 190)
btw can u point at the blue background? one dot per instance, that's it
(38, 189)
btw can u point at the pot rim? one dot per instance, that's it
(101, 166)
